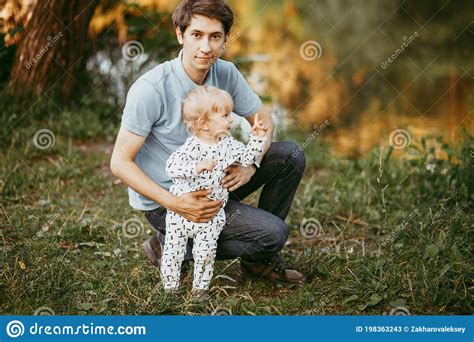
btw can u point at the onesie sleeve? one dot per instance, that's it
(245, 155)
(181, 165)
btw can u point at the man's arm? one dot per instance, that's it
(193, 206)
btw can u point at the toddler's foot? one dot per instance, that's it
(171, 292)
(200, 295)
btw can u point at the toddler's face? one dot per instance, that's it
(220, 123)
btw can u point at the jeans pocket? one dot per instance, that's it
(160, 211)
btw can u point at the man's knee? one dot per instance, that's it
(277, 236)
(294, 154)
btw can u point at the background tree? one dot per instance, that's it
(52, 49)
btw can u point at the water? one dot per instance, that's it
(369, 68)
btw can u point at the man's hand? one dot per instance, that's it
(207, 164)
(237, 176)
(196, 206)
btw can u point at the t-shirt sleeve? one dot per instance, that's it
(143, 108)
(246, 102)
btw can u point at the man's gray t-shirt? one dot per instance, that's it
(153, 111)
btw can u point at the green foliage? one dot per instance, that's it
(85, 118)
(394, 231)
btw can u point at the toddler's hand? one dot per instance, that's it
(258, 128)
(207, 164)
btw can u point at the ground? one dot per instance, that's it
(382, 232)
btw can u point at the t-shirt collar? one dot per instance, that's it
(183, 77)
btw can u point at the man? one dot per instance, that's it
(152, 129)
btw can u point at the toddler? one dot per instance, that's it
(200, 163)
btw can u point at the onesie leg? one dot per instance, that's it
(174, 250)
(204, 252)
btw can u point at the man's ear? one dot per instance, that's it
(179, 35)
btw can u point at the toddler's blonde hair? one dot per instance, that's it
(203, 101)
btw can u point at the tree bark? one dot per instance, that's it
(51, 51)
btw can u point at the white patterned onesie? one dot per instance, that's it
(181, 168)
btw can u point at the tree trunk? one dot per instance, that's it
(51, 51)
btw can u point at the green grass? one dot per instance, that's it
(393, 232)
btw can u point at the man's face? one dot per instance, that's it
(202, 42)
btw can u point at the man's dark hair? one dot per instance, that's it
(217, 9)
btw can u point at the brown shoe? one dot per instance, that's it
(154, 251)
(275, 270)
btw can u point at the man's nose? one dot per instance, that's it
(205, 47)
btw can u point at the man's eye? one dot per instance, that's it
(216, 37)
(196, 35)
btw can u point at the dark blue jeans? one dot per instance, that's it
(255, 233)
